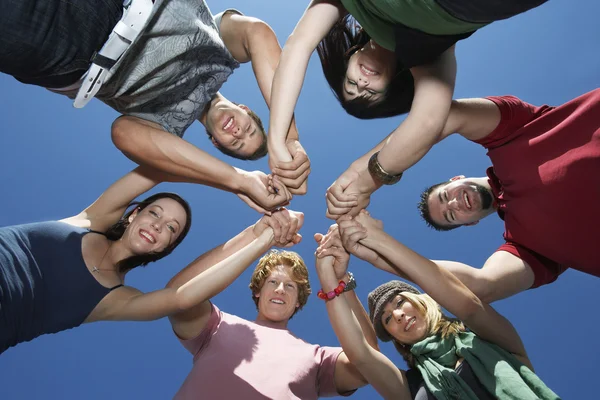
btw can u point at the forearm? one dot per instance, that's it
(214, 280)
(362, 318)
(439, 283)
(423, 126)
(344, 321)
(147, 145)
(212, 257)
(287, 83)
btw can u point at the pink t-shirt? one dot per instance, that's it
(546, 183)
(239, 359)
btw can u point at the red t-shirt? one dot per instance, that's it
(546, 180)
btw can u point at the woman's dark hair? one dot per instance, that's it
(116, 231)
(343, 40)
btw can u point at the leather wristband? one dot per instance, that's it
(379, 174)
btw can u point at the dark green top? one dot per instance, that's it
(379, 17)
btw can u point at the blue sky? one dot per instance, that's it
(55, 160)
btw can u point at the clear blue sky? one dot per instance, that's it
(55, 160)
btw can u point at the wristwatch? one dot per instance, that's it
(351, 284)
(379, 174)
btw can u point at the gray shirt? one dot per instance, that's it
(174, 67)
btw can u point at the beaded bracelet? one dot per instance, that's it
(333, 294)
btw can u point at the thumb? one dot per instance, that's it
(318, 237)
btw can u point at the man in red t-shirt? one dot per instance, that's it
(544, 184)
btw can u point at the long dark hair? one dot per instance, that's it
(116, 231)
(343, 40)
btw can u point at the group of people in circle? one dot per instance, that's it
(380, 59)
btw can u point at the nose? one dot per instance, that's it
(156, 226)
(237, 131)
(280, 288)
(398, 315)
(362, 83)
(453, 204)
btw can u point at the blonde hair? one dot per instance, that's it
(437, 322)
(273, 259)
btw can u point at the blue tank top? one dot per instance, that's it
(45, 286)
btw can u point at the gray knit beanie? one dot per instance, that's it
(377, 300)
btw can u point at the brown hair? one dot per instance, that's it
(273, 259)
(116, 231)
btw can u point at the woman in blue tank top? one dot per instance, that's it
(57, 275)
(477, 355)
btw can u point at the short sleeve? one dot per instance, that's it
(219, 17)
(545, 270)
(326, 375)
(197, 344)
(514, 115)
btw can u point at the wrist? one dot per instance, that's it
(237, 181)
(366, 183)
(380, 174)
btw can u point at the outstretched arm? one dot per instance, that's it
(110, 206)
(377, 369)
(250, 39)
(148, 144)
(208, 275)
(314, 25)
(407, 144)
(443, 286)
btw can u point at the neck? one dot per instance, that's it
(270, 323)
(117, 253)
(210, 104)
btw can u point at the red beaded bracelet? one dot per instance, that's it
(333, 294)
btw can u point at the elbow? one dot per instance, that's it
(182, 302)
(121, 134)
(470, 308)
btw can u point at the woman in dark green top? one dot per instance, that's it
(402, 58)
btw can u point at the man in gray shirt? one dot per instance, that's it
(166, 79)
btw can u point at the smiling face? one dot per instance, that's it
(232, 128)
(403, 321)
(155, 227)
(278, 296)
(369, 72)
(460, 202)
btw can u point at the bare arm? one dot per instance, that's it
(445, 288)
(434, 87)
(378, 370)
(250, 39)
(314, 25)
(472, 118)
(111, 204)
(284, 224)
(147, 144)
(133, 305)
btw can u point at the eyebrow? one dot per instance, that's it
(443, 213)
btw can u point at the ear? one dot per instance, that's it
(257, 295)
(244, 107)
(214, 142)
(455, 178)
(133, 214)
(297, 305)
(472, 223)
